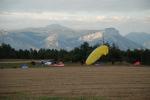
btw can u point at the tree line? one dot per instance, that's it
(78, 54)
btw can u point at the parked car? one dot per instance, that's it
(47, 62)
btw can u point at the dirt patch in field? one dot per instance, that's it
(117, 83)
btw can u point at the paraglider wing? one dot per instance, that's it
(96, 54)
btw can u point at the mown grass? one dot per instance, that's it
(25, 97)
(18, 65)
(9, 65)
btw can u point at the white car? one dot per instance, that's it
(48, 63)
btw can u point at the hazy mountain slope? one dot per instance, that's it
(51, 36)
(140, 38)
(111, 36)
(57, 36)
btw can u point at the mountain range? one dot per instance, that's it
(141, 38)
(56, 36)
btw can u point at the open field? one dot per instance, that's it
(104, 83)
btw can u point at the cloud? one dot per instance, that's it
(147, 19)
(60, 16)
(75, 5)
(95, 14)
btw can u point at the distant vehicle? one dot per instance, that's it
(52, 63)
(24, 66)
(47, 62)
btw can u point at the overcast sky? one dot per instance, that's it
(124, 15)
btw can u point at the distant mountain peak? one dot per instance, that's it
(57, 26)
(138, 33)
(54, 25)
(111, 31)
(3, 32)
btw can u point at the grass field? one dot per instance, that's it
(76, 83)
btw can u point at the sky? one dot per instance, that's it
(124, 15)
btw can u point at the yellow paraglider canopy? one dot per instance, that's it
(96, 54)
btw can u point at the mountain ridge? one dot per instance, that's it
(57, 36)
(141, 38)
